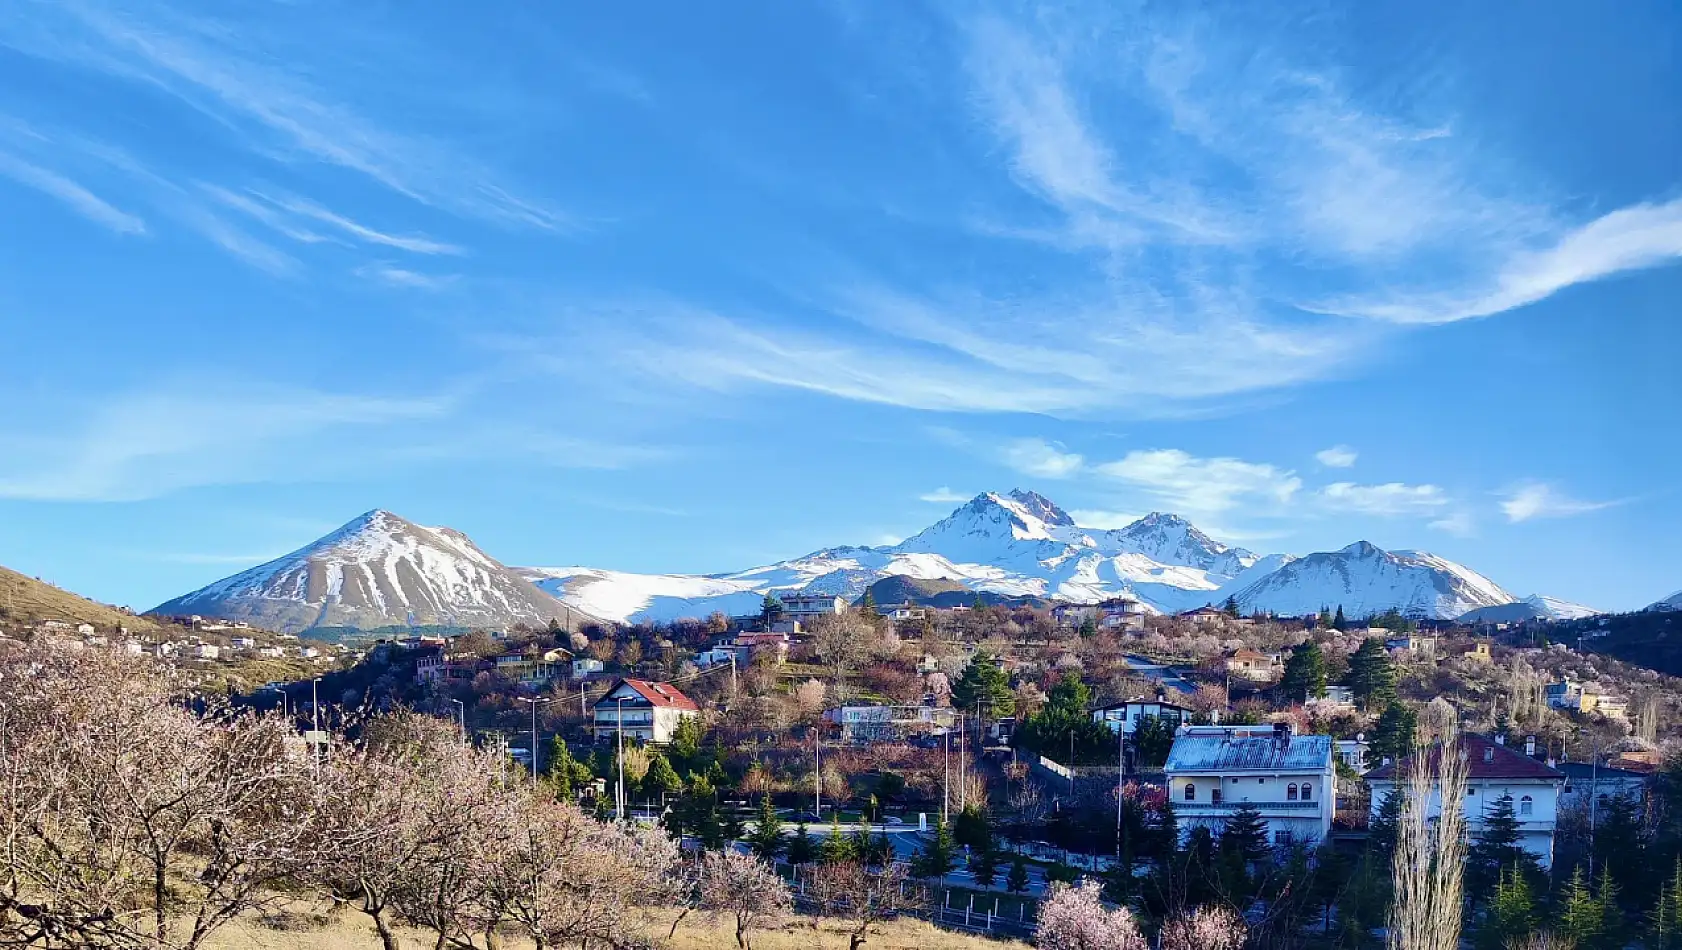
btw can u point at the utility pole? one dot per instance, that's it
(963, 786)
(946, 781)
(732, 674)
(817, 771)
(534, 702)
(461, 716)
(315, 733)
(1120, 778)
(619, 792)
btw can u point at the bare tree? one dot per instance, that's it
(844, 640)
(743, 887)
(862, 898)
(1427, 865)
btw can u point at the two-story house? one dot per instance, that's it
(1251, 665)
(1492, 770)
(802, 608)
(1127, 714)
(642, 710)
(1290, 780)
(1120, 613)
(878, 723)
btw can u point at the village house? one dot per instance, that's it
(1478, 651)
(902, 612)
(531, 667)
(1337, 699)
(271, 653)
(1586, 783)
(207, 651)
(802, 608)
(1120, 613)
(642, 710)
(1127, 714)
(1251, 665)
(1579, 697)
(1493, 771)
(1352, 752)
(1416, 644)
(886, 723)
(1289, 779)
(585, 666)
(242, 643)
(1206, 615)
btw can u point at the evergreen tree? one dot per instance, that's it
(800, 849)
(972, 830)
(1496, 852)
(934, 859)
(837, 849)
(867, 603)
(984, 867)
(1231, 607)
(1017, 881)
(1372, 677)
(1338, 621)
(1665, 922)
(770, 609)
(1305, 673)
(1243, 846)
(566, 774)
(684, 751)
(1512, 913)
(984, 683)
(1620, 846)
(1393, 736)
(1151, 741)
(1581, 919)
(767, 839)
(660, 780)
(1064, 722)
(1324, 621)
(1382, 831)
(1612, 936)
(1088, 627)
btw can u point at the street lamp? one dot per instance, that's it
(534, 702)
(461, 715)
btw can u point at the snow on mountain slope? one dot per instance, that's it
(1170, 539)
(1534, 607)
(1364, 580)
(1673, 602)
(377, 570)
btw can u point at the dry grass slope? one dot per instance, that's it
(26, 600)
(695, 933)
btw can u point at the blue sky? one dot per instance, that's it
(703, 287)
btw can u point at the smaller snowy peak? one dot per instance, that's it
(1365, 579)
(1171, 539)
(1560, 609)
(1673, 602)
(987, 523)
(1041, 507)
(1534, 607)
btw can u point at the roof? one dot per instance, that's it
(1142, 701)
(1485, 759)
(658, 694)
(1586, 771)
(1248, 654)
(1228, 753)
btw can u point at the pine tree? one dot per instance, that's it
(1512, 913)
(1665, 922)
(1305, 673)
(1496, 852)
(1382, 831)
(1338, 622)
(1393, 736)
(770, 609)
(1152, 740)
(1580, 917)
(837, 849)
(984, 867)
(660, 780)
(1620, 845)
(767, 839)
(1324, 621)
(971, 829)
(1372, 677)
(1017, 881)
(1245, 835)
(934, 859)
(1231, 607)
(867, 603)
(984, 683)
(1611, 914)
(800, 849)
(1088, 627)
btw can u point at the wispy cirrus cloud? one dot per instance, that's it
(395, 276)
(1192, 485)
(78, 198)
(943, 496)
(1041, 459)
(1528, 501)
(1389, 499)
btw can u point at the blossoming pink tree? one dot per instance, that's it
(1073, 918)
(1208, 928)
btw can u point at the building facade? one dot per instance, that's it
(1493, 771)
(642, 710)
(1290, 780)
(883, 723)
(1127, 714)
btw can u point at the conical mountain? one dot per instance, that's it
(379, 570)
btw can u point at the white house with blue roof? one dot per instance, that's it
(1290, 780)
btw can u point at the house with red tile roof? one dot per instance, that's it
(1492, 771)
(642, 709)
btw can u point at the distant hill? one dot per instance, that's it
(25, 600)
(1534, 607)
(940, 592)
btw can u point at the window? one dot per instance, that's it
(1307, 792)
(1215, 795)
(1191, 792)
(1525, 805)
(1282, 839)
(1291, 792)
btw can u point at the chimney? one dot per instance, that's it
(1530, 746)
(1500, 739)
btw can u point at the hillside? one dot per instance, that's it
(27, 601)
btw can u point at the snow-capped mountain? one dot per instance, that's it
(1673, 602)
(374, 571)
(1365, 580)
(1534, 607)
(1022, 544)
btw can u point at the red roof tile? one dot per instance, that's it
(659, 694)
(1485, 759)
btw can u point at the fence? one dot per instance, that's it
(980, 916)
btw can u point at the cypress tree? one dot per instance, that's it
(983, 682)
(1512, 913)
(934, 859)
(800, 850)
(1665, 921)
(1017, 881)
(1338, 622)
(836, 848)
(1581, 918)
(984, 867)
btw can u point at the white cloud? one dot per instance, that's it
(943, 496)
(1041, 459)
(1460, 523)
(403, 277)
(1338, 456)
(1389, 499)
(78, 198)
(412, 243)
(1194, 486)
(1531, 500)
(1640, 236)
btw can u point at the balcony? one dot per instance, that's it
(1184, 807)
